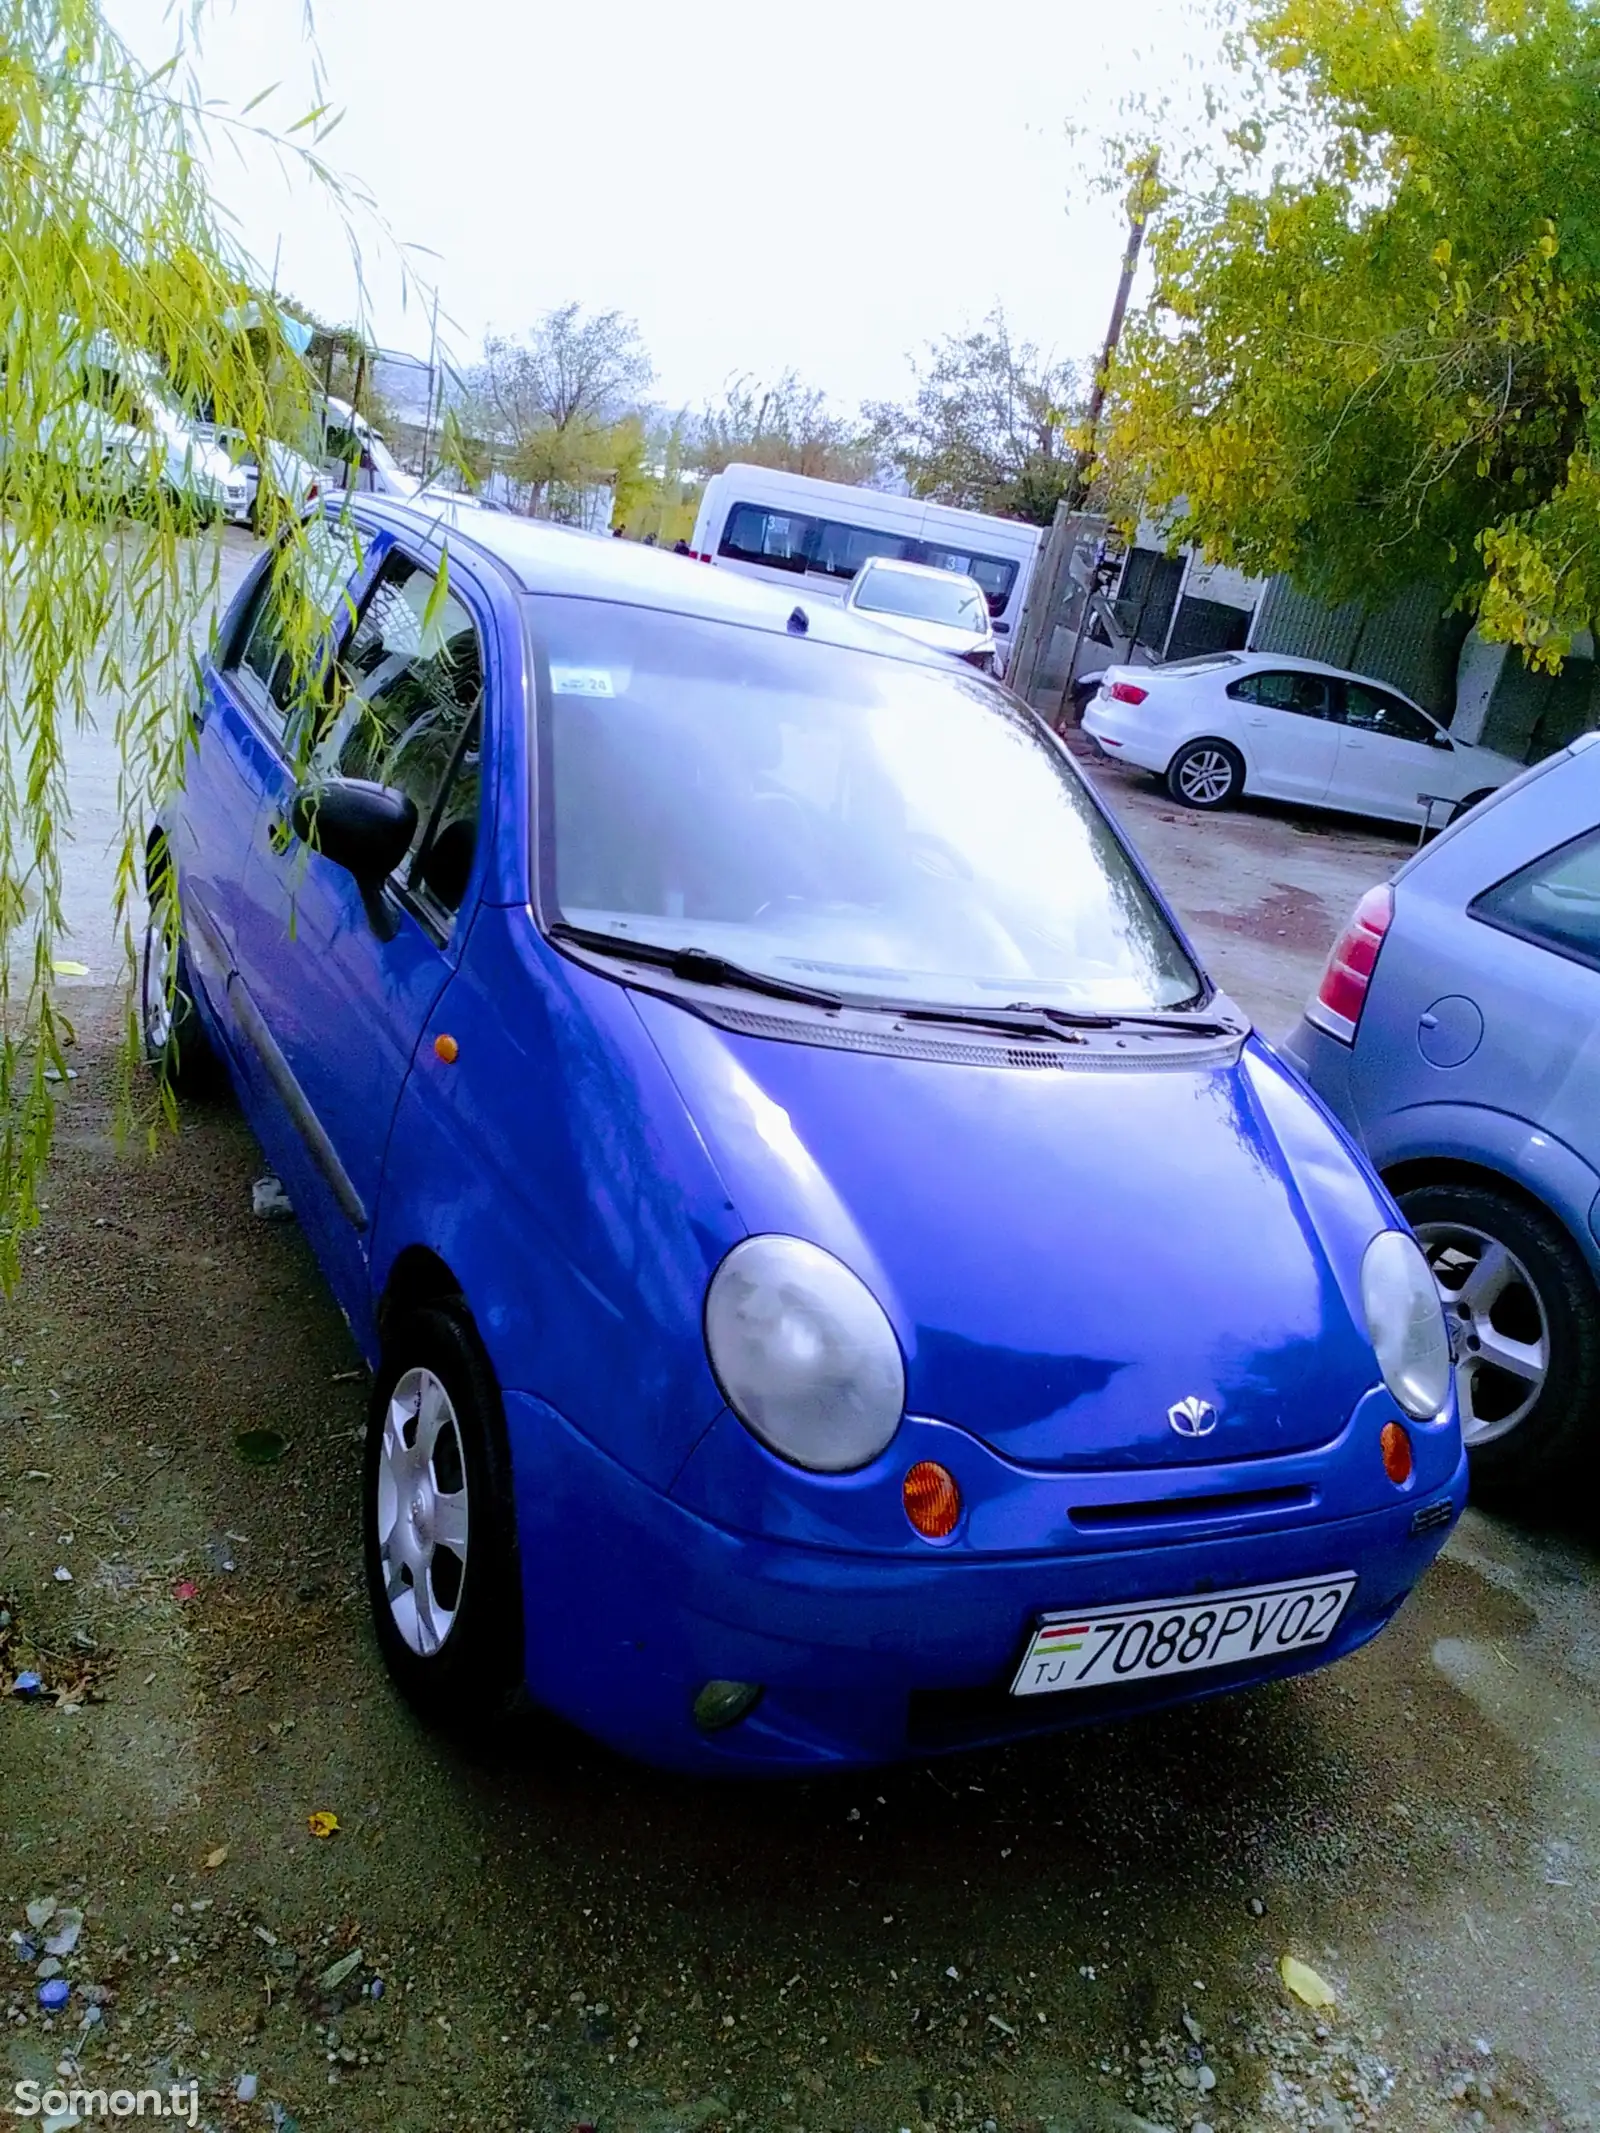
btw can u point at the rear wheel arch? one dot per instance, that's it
(418, 1278)
(1548, 1278)
(1416, 1171)
(157, 859)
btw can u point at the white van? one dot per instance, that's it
(787, 527)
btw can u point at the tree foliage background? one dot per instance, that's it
(557, 410)
(787, 424)
(989, 427)
(111, 244)
(1372, 353)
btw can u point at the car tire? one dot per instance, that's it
(1206, 775)
(171, 1034)
(439, 1524)
(1525, 1434)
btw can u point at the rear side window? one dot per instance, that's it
(781, 539)
(841, 550)
(1308, 694)
(1554, 902)
(792, 540)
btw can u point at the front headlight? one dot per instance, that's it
(804, 1354)
(1405, 1322)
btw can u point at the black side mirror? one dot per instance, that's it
(365, 828)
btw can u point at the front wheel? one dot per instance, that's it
(1206, 774)
(440, 1531)
(1521, 1308)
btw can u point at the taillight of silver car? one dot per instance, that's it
(1343, 991)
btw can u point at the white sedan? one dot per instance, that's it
(944, 609)
(1289, 729)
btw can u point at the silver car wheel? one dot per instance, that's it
(1205, 777)
(1499, 1330)
(157, 989)
(422, 1511)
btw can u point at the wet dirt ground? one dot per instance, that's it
(1054, 1936)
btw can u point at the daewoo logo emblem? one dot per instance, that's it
(1192, 1417)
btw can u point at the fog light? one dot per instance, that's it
(932, 1500)
(1395, 1445)
(721, 1704)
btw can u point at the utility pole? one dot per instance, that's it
(1052, 574)
(1141, 198)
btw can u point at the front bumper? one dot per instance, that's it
(632, 1601)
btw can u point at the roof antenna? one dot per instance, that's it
(799, 621)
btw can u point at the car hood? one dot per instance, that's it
(1065, 1255)
(938, 636)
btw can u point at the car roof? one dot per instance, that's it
(1277, 661)
(543, 559)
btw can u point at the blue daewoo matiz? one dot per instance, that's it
(840, 1281)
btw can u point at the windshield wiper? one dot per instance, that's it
(1182, 1024)
(1019, 1021)
(701, 965)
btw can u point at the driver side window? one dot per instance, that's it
(410, 717)
(1375, 711)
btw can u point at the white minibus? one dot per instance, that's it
(788, 527)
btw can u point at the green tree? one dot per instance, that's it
(115, 276)
(787, 424)
(990, 427)
(549, 404)
(1372, 353)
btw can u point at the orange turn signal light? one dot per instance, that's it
(1395, 1444)
(932, 1499)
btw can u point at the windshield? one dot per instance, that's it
(879, 828)
(942, 598)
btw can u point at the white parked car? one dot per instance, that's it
(1228, 723)
(297, 479)
(120, 419)
(942, 609)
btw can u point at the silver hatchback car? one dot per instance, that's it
(1456, 1034)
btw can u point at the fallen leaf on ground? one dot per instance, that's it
(217, 1858)
(1305, 1983)
(336, 1973)
(185, 1589)
(322, 1824)
(65, 969)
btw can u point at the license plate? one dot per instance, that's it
(1094, 1651)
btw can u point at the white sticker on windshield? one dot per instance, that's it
(581, 681)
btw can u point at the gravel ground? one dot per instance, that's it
(1079, 1933)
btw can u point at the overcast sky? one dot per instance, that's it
(823, 188)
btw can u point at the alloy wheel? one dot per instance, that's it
(1205, 777)
(157, 989)
(422, 1511)
(1499, 1330)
